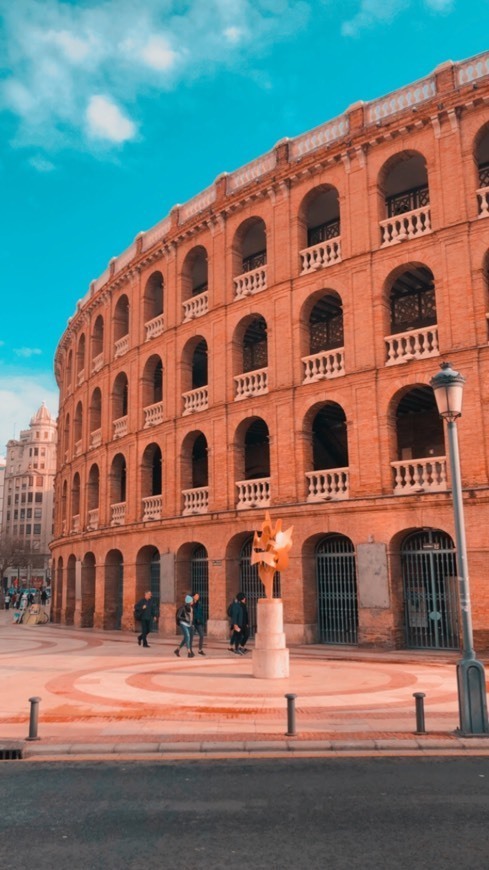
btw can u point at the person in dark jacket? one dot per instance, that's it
(240, 624)
(198, 621)
(146, 606)
(185, 621)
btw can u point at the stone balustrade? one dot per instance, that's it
(325, 134)
(398, 101)
(332, 483)
(152, 507)
(321, 255)
(195, 501)
(251, 171)
(75, 524)
(121, 346)
(197, 204)
(196, 306)
(80, 377)
(118, 514)
(414, 344)
(97, 363)
(78, 447)
(120, 427)
(420, 475)
(409, 225)
(253, 493)
(475, 68)
(195, 400)
(154, 327)
(153, 414)
(483, 200)
(326, 364)
(92, 524)
(251, 384)
(95, 438)
(250, 282)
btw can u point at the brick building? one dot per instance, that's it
(270, 344)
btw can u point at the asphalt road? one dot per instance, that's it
(292, 813)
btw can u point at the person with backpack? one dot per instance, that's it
(184, 620)
(238, 613)
(198, 621)
(145, 612)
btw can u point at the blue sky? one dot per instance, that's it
(111, 112)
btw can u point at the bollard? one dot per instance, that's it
(33, 721)
(419, 699)
(290, 715)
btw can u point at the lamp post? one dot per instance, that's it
(472, 702)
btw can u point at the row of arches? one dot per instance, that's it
(424, 592)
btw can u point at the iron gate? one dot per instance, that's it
(199, 578)
(154, 585)
(119, 596)
(337, 590)
(431, 615)
(251, 585)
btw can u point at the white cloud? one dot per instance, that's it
(158, 54)
(106, 121)
(233, 34)
(20, 397)
(27, 352)
(74, 49)
(377, 12)
(41, 164)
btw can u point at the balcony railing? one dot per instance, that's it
(321, 255)
(328, 485)
(195, 400)
(153, 414)
(483, 198)
(97, 363)
(118, 514)
(78, 447)
(120, 427)
(413, 476)
(253, 493)
(327, 364)
(152, 507)
(406, 226)
(195, 307)
(409, 200)
(75, 523)
(96, 438)
(154, 327)
(251, 384)
(250, 282)
(92, 524)
(414, 344)
(80, 377)
(121, 346)
(195, 501)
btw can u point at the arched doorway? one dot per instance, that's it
(113, 591)
(336, 578)
(88, 569)
(199, 577)
(250, 583)
(429, 574)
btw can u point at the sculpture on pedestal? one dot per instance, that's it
(270, 551)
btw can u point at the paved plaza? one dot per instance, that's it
(99, 689)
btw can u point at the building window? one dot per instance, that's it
(38, 497)
(28, 529)
(37, 528)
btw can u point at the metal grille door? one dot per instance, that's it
(154, 577)
(251, 585)
(199, 578)
(337, 590)
(431, 615)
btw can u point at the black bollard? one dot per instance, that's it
(290, 715)
(34, 717)
(419, 699)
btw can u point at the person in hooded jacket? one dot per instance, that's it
(240, 624)
(184, 619)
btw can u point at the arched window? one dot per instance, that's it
(195, 283)
(69, 372)
(322, 337)
(118, 475)
(482, 162)
(75, 503)
(98, 344)
(121, 326)
(412, 315)
(195, 474)
(93, 489)
(319, 229)
(195, 376)
(95, 418)
(66, 436)
(406, 196)
(80, 359)
(420, 464)
(151, 482)
(152, 387)
(78, 428)
(120, 394)
(250, 257)
(253, 464)
(329, 478)
(153, 305)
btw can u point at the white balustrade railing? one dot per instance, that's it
(409, 225)
(475, 68)
(197, 204)
(483, 199)
(155, 234)
(78, 447)
(326, 364)
(121, 346)
(414, 344)
(118, 514)
(154, 327)
(75, 523)
(332, 483)
(325, 134)
(96, 438)
(250, 282)
(120, 427)
(152, 507)
(92, 524)
(405, 98)
(196, 306)
(153, 414)
(81, 377)
(97, 363)
(251, 171)
(253, 493)
(420, 475)
(195, 501)
(321, 255)
(251, 384)
(195, 400)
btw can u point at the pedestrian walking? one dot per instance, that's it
(145, 611)
(198, 621)
(44, 597)
(184, 620)
(238, 612)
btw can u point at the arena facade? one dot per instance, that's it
(269, 345)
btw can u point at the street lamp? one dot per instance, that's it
(448, 387)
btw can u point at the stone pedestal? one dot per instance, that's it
(270, 656)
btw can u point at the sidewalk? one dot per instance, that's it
(102, 694)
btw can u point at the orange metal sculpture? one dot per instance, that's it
(270, 551)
